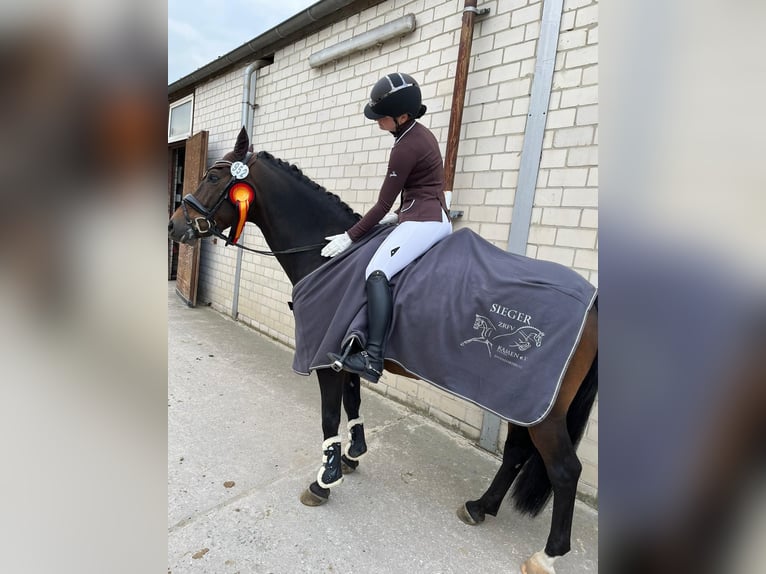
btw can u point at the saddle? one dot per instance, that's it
(488, 326)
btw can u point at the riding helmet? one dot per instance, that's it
(393, 95)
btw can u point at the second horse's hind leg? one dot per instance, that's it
(357, 445)
(518, 447)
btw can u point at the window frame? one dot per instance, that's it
(178, 104)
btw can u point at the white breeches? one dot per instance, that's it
(408, 241)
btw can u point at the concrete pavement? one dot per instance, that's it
(244, 440)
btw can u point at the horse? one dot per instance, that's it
(295, 215)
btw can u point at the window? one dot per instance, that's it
(180, 119)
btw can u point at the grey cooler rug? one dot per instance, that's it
(488, 326)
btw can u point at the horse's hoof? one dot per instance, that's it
(315, 495)
(347, 465)
(534, 565)
(464, 515)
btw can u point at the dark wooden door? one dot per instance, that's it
(187, 273)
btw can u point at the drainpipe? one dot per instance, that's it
(248, 112)
(458, 95)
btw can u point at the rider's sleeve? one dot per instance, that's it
(400, 165)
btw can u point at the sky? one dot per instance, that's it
(200, 31)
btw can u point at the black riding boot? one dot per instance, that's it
(330, 473)
(368, 364)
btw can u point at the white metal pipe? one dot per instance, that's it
(395, 28)
(248, 95)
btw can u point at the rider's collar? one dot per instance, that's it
(403, 129)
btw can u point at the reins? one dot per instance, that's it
(214, 231)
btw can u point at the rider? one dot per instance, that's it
(415, 170)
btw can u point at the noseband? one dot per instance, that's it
(205, 225)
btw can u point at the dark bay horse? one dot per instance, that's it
(295, 215)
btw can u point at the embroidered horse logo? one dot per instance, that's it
(481, 323)
(522, 338)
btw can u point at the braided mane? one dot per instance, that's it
(295, 172)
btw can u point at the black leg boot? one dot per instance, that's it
(369, 363)
(356, 446)
(330, 474)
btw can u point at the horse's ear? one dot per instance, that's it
(240, 148)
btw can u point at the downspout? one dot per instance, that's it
(248, 113)
(458, 94)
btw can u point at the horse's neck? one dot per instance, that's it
(291, 214)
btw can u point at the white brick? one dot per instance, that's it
(504, 73)
(562, 255)
(567, 79)
(590, 75)
(573, 97)
(560, 216)
(480, 129)
(589, 218)
(582, 57)
(568, 177)
(586, 197)
(573, 137)
(477, 163)
(553, 158)
(482, 95)
(586, 15)
(586, 115)
(483, 213)
(593, 177)
(542, 235)
(525, 15)
(572, 39)
(582, 238)
(571, 5)
(515, 88)
(586, 259)
(488, 180)
(488, 60)
(583, 156)
(560, 119)
(547, 197)
(519, 52)
(499, 196)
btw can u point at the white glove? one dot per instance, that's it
(338, 244)
(389, 218)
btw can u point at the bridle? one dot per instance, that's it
(240, 195)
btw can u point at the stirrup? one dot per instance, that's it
(338, 360)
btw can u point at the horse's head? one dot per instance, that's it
(222, 199)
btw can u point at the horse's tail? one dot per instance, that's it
(532, 489)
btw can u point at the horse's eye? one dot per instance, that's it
(212, 178)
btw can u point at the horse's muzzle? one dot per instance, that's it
(181, 233)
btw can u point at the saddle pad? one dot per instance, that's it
(491, 327)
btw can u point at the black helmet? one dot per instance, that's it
(393, 95)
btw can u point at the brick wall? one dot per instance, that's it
(312, 118)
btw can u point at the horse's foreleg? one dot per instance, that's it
(357, 445)
(330, 473)
(518, 447)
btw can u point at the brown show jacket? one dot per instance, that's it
(416, 171)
